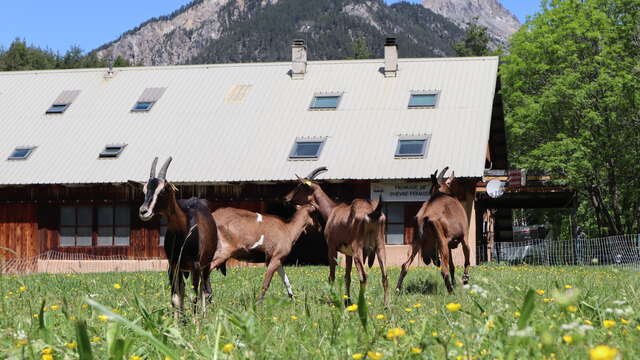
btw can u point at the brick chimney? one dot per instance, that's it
(390, 57)
(298, 59)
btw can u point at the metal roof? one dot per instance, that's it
(238, 122)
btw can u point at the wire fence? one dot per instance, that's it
(621, 250)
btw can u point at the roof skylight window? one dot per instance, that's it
(412, 147)
(423, 100)
(148, 98)
(63, 101)
(325, 102)
(307, 149)
(21, 153)
(57, 108)
(111, 151)
(143, 106)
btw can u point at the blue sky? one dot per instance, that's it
(59, 24)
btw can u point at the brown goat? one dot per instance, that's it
(356, 230)
(441, 225)
(191, 237)
(252, 237)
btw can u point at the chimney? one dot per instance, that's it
(109, 73)
(298, 59)
(390, 57)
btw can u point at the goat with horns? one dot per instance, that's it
(191, 238)
(356, 230)
(441, 226)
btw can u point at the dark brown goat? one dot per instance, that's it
(191, 237)
(441, 225)
(356, 230)
(252, 237)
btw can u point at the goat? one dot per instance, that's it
(252, 237)
(191, 238)
(356, 230)
(441, 225)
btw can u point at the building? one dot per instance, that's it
(238, 134)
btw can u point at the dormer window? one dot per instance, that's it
(306, 149)
(63, 101)
(148, 98)
(412, 147)
(21, 153)
(111, 151)
(325, 101)
(423, 100)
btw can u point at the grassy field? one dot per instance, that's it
(567, 315)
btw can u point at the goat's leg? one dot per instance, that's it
(452, 268)
(362, 273)
(274, 264)
(177, 290)
(405, 267)
(347, 276)
(285, 281)
(444, 265)
(205, 284)
(381, 254)
(333, 262)
(195, 282)
(465, 250)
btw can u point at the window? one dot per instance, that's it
(412, 147)
(423, 100)
(76, 224)
(21, 153)
(143, 106)
(113, 225)
(111, 151)
(306, 149)
(63, 101)
(325, 102)
(394, 234)
(148, 98)
(57, 108)
(163, 229)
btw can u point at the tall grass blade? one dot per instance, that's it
(162, 348)
(527, 308)
(84, 346)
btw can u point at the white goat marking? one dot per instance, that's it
(285, 280)
(259, 219)
(258, 243)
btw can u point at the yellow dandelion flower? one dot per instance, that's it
(228, 348)
(21, 342)
(96, 339)
(540, 292)
(84, 306)
(22, 288)
(638, 327)
(103, 317)
(548, 300)
(416, 350)
(357, 356)
(345, 297)
(459, 343)
(55, 307)
(395, 332)
(567, 339)
(315, 324)
(517, 314)
(408, 309)
(484, 352)
(412, 321)
(624, 321)
(434, 333)
(453, 307)
(608, 323)
(572, 308)
(35, 316)
(380, 316)
(374, 355)
(71, 345)
(588, 322)
(293, 317)
(47, 357)
(491, 324)
(603, 352)
(117, 286)
(135, 357)
(568, 287)
(275, 318)
(417, 305)
(47, 350)
(352, 308)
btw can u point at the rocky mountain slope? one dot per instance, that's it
(499, 21)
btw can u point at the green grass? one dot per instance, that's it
(494, 320)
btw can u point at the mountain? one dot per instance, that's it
(500, 22)
(218, 31)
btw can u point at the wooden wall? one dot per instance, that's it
(18, 231)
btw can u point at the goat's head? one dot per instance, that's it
(439, 184)
(303, 192)
(312, 220)
(157, 191)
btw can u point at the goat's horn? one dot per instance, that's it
(441, 176)
(163, 170)
(153, 168)
(312, 175)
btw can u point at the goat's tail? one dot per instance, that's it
(375, 215)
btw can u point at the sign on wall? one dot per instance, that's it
(401, 191)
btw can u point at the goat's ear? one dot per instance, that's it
(136, 184)
(451, 178)
(303, 181)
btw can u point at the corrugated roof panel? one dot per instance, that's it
(217, 134)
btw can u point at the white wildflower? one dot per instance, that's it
(526, 332)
